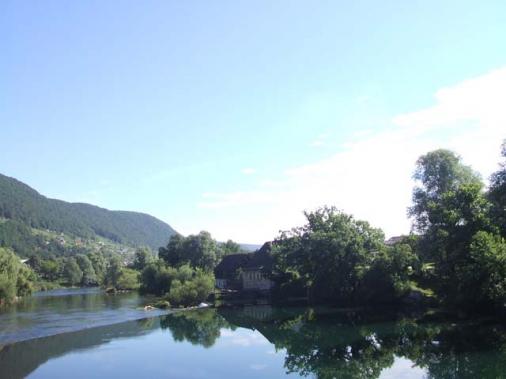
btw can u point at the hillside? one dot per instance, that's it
(22, 203)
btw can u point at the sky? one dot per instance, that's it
(236, 116)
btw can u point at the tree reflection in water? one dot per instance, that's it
(336, 344)
(199, 327)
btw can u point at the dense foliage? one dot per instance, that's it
(16, 279)
(183, 272)
(456, 254)
(457, 250)
(460, 231)
(335, 258)
(497, 195)
(198, 251)
(21, 203)
(181, 286)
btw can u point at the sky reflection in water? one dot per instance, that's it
(265, 342)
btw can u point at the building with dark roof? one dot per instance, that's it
(249, 272)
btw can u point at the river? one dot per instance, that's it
(88, 334)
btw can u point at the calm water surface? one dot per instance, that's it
(253, 342)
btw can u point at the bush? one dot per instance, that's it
(192, 291)
(128, 280)
(16, 279)
(182, 286)
(156, 278)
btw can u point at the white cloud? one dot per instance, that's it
(242, 338)
(248, 171)
(317, 143)
(371, 177)
(320, 140)
(258, 366)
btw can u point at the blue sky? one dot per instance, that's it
(235, 116)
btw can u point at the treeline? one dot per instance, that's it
(456, 253)
(85, 270)
(93, 269)
(183, 273)
(21, 203)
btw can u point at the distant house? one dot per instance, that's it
(248, 272)
(394, 240)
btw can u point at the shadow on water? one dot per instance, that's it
(321, 343)
(20, 359)
(66, 310)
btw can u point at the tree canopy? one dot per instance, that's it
(330, 254)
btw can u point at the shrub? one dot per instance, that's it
(128, 280)
(192, 291)
(16, 279)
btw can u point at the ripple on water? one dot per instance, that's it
(67, 310)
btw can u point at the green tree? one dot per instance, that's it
(191, 291)
(72, 274)
(497, 194)
(449, 209)
(182, 286)
(128, 280)
(51, 269)
(199, 251)
(439, 172)
(229, 247)
(114, 268)
(16, 279)
(329, 255)
(99, 264)
(89, 276)
(482, 278)
(156, 278)
(142, 258)
(173, 253)
(390, 275)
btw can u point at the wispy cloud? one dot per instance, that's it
(320, 140)
(371, 176)
(231, 199)
(248, 171)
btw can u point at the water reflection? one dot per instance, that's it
(20, 359)
(320, 343)
(59, 311)
(332, 344)
(198, 327)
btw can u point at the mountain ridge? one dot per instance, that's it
(20, 202)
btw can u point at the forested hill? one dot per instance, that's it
(22, 203)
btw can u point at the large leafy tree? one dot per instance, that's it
(449, 209)
(72, 273)
(142, 258)
(330, 254)
(16, 278)
(89, 276)
(229, 247)
(199, 251)
(99, 263)
(438, 173)
(113, 272)
(482, 278)
(497, 194)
